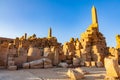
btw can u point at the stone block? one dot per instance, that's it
(26, 65)
(76, 61)
(20, 60)
(112, 67)
(36, 64)
(47, 63)
(93, 64)
(99, 64)
(69, 61)
(11, 63)
(87, 63)
(63, 64)
(74, 74)
(81, 71)
(12, 67)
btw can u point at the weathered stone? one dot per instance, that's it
(20, 60)
(37, 64)
(76, 61)
(69, 61)
(87, 63)
(47, 63)
(81, 71)
(56, 52)
(11, 63)
(33, 54)
(47, 51)
(111, 78)
(93, 64)
(22, 51)
(82, 63)
(63, 64)
(12, 67)
(74, 74)
(26, 65)
(99, 64)
(112, 67)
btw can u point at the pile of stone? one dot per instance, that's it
(34, 52)
(3, 53)
(90, 50)
(10, 57)
(94, 46)
(11, 63)
(36, 64)
(69, 51)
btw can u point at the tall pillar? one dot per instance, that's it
(94, 15)
(50, 33)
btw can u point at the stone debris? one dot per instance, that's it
(12, 68)
(82, 71)
(34, 52)
(76, 61)
(75, 74)
(26, 65)
(112, 67)
(90, 48)
(36, 64)
(99, 64)
(93, 64)
(63, 64)
(87, 63)
(47, 63)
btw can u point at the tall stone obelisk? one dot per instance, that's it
(50, 33)
(94, 15)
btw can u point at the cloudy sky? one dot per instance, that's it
(67, 18)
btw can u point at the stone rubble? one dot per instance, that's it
(90, 50)
(75, 74)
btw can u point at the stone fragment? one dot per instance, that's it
(76, 61)
(56, 52)
(11, 63)
(47, 51)
(99, 64)
(118, 41)
(33, 53)
(82, 71)
(93, 64)
(87, 63)
(20, 60)
(112, 67)
(63, 64)
(37, 64)
(12, 67)
(74, 74)
(47, 63)
(26, 65)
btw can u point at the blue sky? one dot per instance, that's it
(67, 18)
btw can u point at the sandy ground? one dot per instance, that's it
(49, 74)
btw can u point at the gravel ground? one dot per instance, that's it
(49, 74)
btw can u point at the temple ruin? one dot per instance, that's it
(34, 52)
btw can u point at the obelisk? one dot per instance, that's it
(94, 15)
(50, 33)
